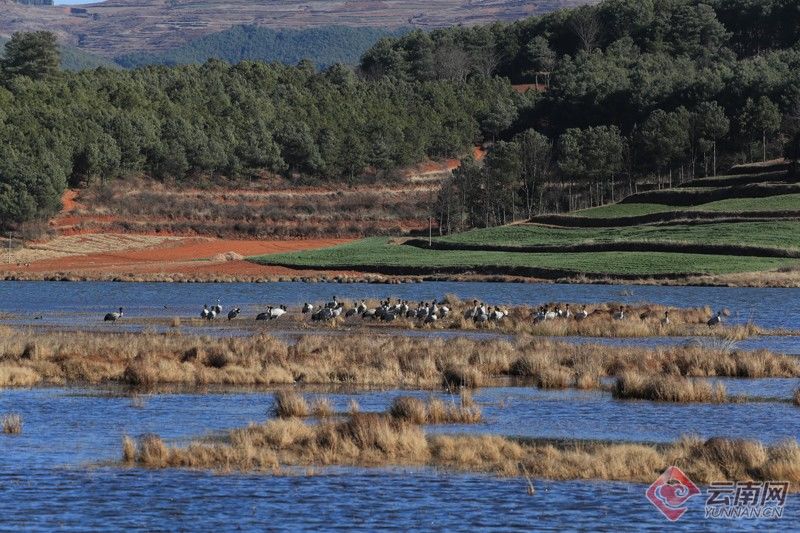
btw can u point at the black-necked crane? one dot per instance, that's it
(206, 312)
(715, 320)
(582, 314)
(233, 313)
(217, 308)
(307, 308)
(277, 312)
(619, 314)
(665, 320)
(113, 317)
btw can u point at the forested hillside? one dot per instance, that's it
(324, 46)
(638, 94)
(633, 95)
(74, 58)
(194, 123)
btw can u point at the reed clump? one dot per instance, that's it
(12, 424)
(148, 360)
(632, 385)
(322, 408)
(290, 404)
(434, 411)
(379, 440)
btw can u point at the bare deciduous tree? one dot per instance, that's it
(586, 26)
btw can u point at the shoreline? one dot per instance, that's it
(765, 280)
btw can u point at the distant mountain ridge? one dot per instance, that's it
(121, 27)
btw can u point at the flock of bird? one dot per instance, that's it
(425, 312)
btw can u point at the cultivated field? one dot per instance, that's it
(681, 233)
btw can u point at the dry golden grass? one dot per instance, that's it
(641, 320)
(322, 408)
(435, 411)
(378, 440)
(289, 404)
(632, 385)
(12, 424)
(148, 360)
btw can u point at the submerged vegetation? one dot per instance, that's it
(12, 424)
(380, 440)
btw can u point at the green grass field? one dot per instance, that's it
(622, 210)
(778, 234)
(382, 255)
(378, 251)
(785, 202)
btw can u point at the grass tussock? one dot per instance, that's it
(434, 411)
(289, 404)
(379, 440)
(632, 385)
(322, 408)
(12, 424)
(146, 361)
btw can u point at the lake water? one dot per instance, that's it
(51, 476)
(770, 308)
(56, 474)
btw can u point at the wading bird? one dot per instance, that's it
(233, 313)
(715, 320)
(112, 317)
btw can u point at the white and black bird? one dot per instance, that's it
(233, 313)
(113, 317)
(715, 320)
(277, 312)
(619, 314)
(206, 312)
(665, 320)
(582, 314)
(216, 308)
(307, 308)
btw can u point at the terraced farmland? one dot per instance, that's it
(753, 232)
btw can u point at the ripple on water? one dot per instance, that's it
(47, 482)
(769, 308)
